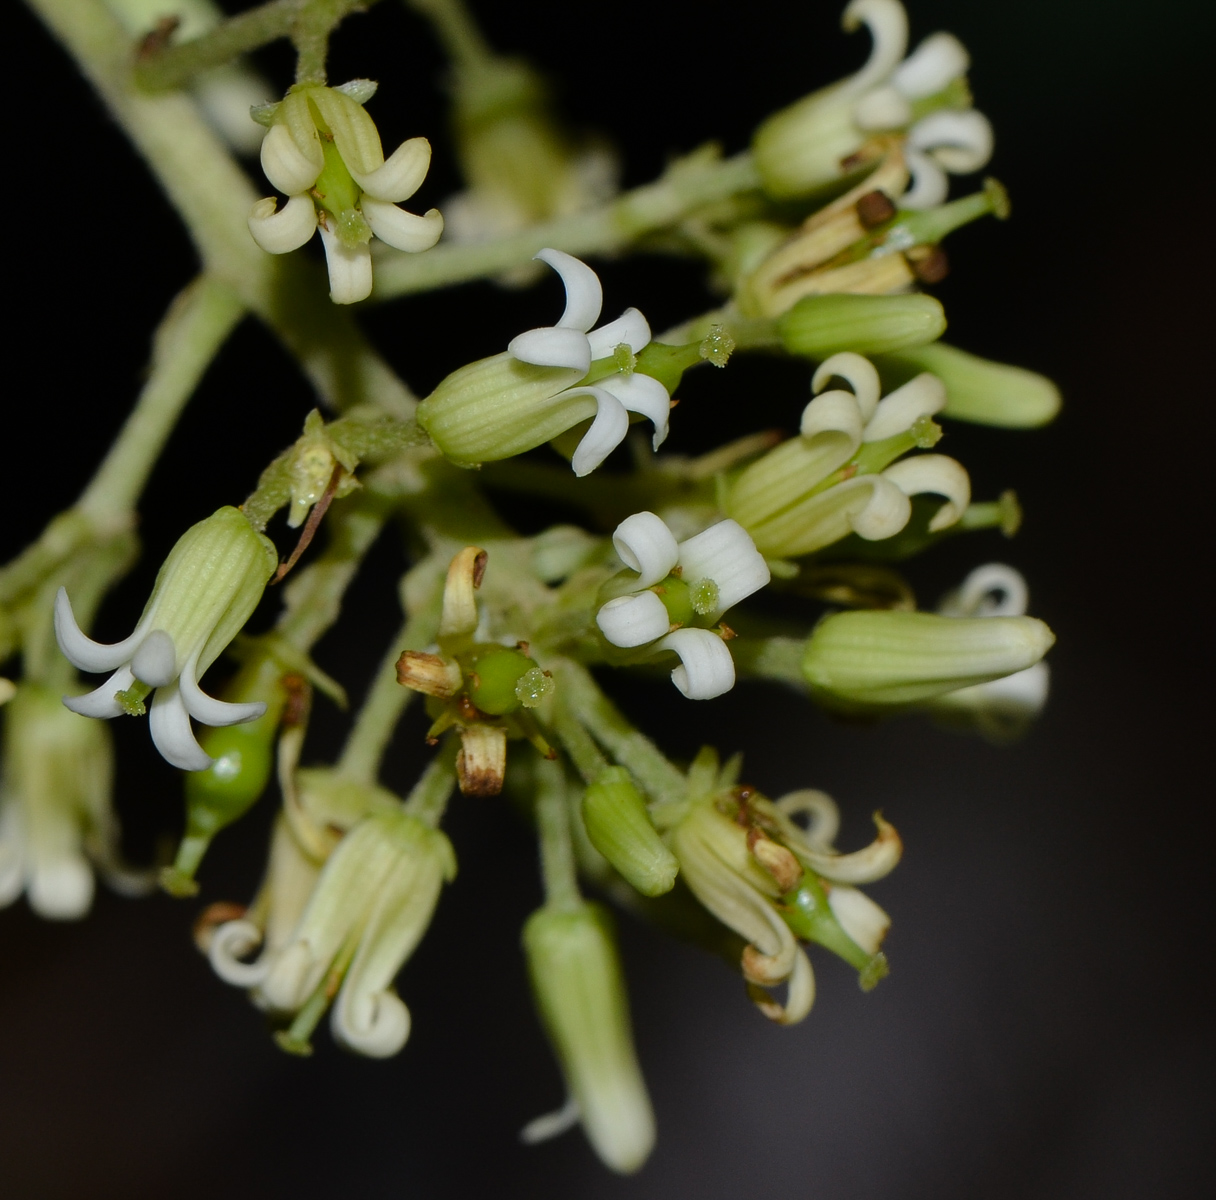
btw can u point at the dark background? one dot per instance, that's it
(1046, 1029)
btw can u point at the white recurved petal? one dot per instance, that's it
(726, 554)
(833, 412)
(800, 994)
(863, 920)
(286, 166)
(647, 546)
(100, 702)
(929, 186)
(376, 1024)
(400, 229)
(883, 108)
(822, 813)
(169, 724)
(706, 668)
(584, 295)
(920, 397)
(230, 942)
(350, 269)
(879, 509)
(630, 621)
(552, 347)
(939, 60)
(282, 232)
(400, 175)
(80, 650)
(866, 865)
(959, 141)
(938, 474)
(291, 976)
(993, 590)
(607, 430)
(642, 393)
(630, 327)
(208, 709)
(888, 25)
(551, 1124)
(60, 888)
(155, 661)
(858, 372)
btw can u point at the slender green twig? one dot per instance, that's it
(428, 799)
(556, 849)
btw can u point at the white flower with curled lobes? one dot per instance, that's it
(924, 95)
(682, 588)
(323, 151)
(205, 592)
(550, 380)
(839, 476)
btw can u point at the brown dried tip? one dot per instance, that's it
(299, 699)
(874, 209)
(761, 968)
(479, 567)
(482, 762)
(725, 632)
(785, 869)
(929, 263)
(158, 38)
(219, 913)
(428, 673)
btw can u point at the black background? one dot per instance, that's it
(1046, 1030)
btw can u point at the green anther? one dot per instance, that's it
(132, 699)
(493, 673)
(624, 358)
(926, 431)
(532, 687)
(352, 228)
(703, 595)
(717, 346)
(676, 599)
(876, 970)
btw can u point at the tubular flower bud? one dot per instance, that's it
(817, 327)
(323, 151)
(681, 591)
(1004, 708)
(56, 812)
(205, 592)
(580, 993)
(839, 476)
(550, 380)
(371, 905)
(620, 828)
(924, 97)
(872, 660)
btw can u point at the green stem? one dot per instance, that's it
(688, 185)
(556, 848)
(428, 799)
(630, 747)
(310, 32)
(456, 30)
(578, 743)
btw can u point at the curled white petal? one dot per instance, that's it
(100, 702)
(888, 24)
(169, 724)
(373, 1023)
(208, 709)
(287, 166)
(350, 269)
(706, 668)
(939, 60)
(726, 554)
(630, 621)
(80, 650)
(993, 590)
(630, 327)
(958, 140)
(584, 295)
(860, 374)
(61, 889)
(647, 546)
(922, 396)
(880, 509)
(400, 229)
(400, 175)
(552, 347)
(929, 186)
(551, 1125)
(939, 474)
(883, 108)
(230, 942)
(155, 661)
(833, 412)
(800, 993)
(863, 920)
(606, 433)
(642, 393)
(287, 982)
(282, 232)
(820, 808)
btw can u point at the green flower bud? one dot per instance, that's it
(978, 390)
(819, 326)
(867, 660)
(580, 992)
(621, 830)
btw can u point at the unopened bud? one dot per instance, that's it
(819, 326)
(621, 830)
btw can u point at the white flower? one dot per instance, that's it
(680, 582)
(205, 592)
(570, 344)
(324, 153)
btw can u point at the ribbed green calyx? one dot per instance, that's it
(620, 828)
